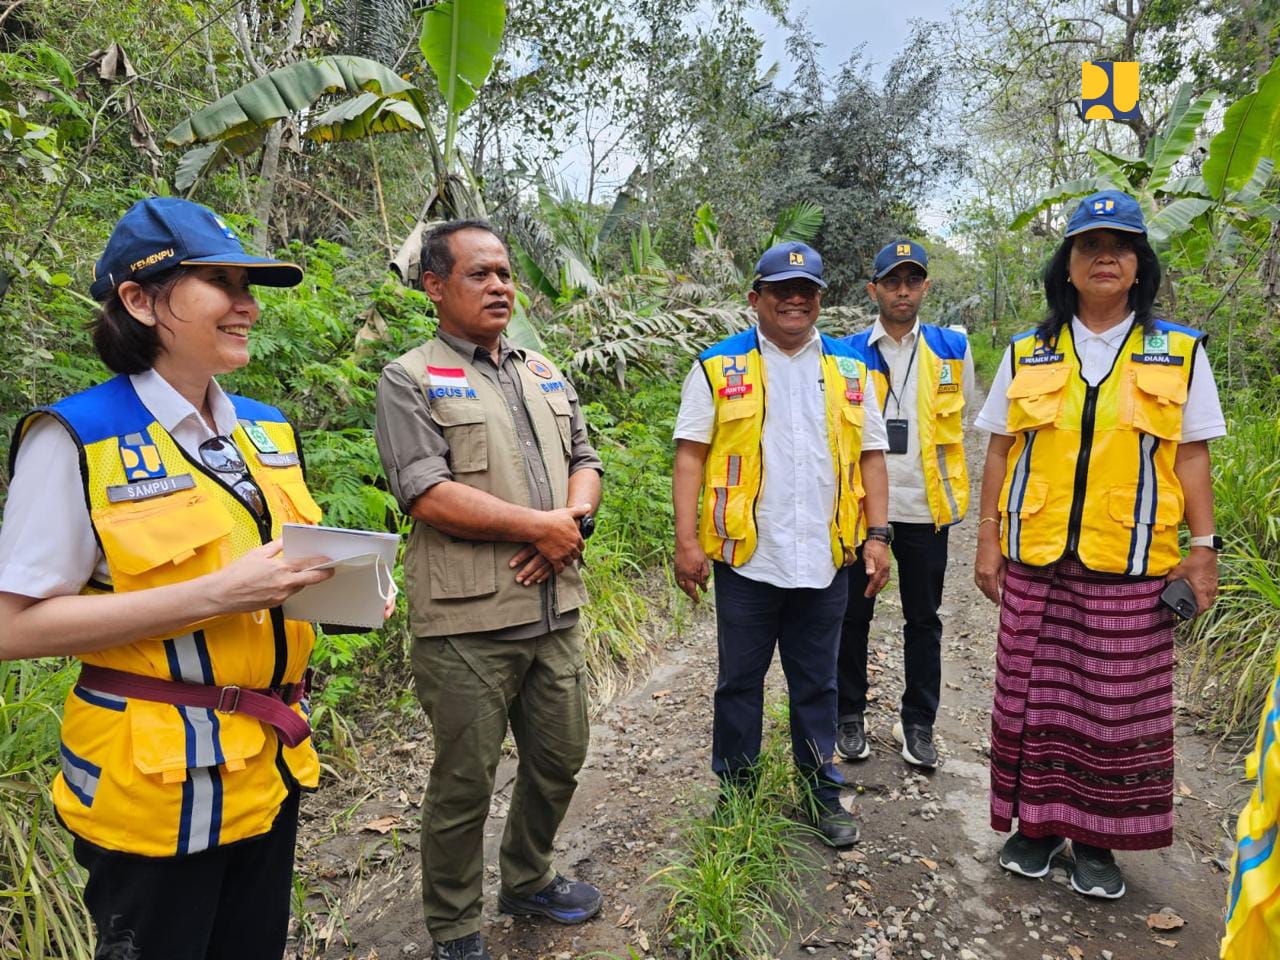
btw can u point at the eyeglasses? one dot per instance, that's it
(221, 455)
(891, 283)
(786, 289)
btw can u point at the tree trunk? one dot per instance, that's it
(270, 168)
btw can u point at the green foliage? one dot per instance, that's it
(737, 877)
(1233, 647)
(41, 912)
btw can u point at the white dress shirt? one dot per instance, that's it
(908, 502)
(1201, 415)
(47, 546)
(793, 514)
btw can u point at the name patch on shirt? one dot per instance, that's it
(146, 489)
(552, 387)
(448, 382)
(1164, 359)
(735, 390)
(279, 459)
(1036, 359)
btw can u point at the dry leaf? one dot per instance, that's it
(1165, 920)
(1075, 953)
(1183, 789)
(864, 885)
(659, 694)
(831, 886)
(642, 940)
(1167, 943)
(382, 824)
(626, 916)
(931, 864)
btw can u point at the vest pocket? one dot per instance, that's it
(153, 543)
(296, 505)
(167, 741)
(948, 411)
(459, 569)
(563, 410)
(463, 424)
(1025, 498)
(1155, 398)
(1036, 396)
(1131, 504)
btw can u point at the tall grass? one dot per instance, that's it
(736, 878)
(41, 911)
(1232, 648)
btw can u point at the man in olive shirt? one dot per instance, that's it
(484, 445)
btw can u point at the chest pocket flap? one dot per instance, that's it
(463, 425)
(736, 410)
(167, 540)
(1036, 395)
(300, 506)
(1157, 400)
(563, 409)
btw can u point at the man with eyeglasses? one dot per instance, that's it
(780, 432)
(924, 379)
(485, 447)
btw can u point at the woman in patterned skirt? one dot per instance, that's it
(1100, 420)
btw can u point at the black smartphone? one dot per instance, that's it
(1180, 598)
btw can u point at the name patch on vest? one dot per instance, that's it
(735, 390)
(279, 459)
(948, 387)
(146, 489)
(445, 382)
(1036, 359)
(552, 387)
(1164, 359)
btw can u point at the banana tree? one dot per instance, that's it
(1180, 211)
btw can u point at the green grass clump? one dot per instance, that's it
(41, 911)
(1232, 648)
(736, 879)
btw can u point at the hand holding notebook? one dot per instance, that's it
(362, 585)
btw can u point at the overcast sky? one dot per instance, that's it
(841, 25)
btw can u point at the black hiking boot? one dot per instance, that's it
(562, 900)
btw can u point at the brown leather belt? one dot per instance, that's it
(270, 706)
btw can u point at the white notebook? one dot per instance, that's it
(362, 561)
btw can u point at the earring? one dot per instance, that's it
(1069, 279)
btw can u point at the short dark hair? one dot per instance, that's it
(1064, 302)
(437, 258)
(124, 344)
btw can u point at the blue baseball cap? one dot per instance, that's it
(900, 251)
(1107, 210)
(789, 261)
(160, 233)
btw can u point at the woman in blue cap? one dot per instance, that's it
(141, 536)
(1100, 420)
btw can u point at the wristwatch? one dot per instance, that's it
(883, 534)
(1211, 540)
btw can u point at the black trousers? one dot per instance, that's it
(751, 619)
(229, 903)
(921, 553)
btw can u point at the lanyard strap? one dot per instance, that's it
(888, 376)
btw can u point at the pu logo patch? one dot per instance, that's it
(226, 231)
(797, 258)
(1109, 90)
(140, 458)
(904, 250)
(732, 365)
(540, 369)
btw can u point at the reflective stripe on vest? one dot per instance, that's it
(151, 778)
(1090, 472)
(734, 468)
(939, 414)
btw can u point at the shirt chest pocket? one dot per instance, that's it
(463, 425)
(167, 540)
(1153, 400)
(563, 411)
(1035, 397)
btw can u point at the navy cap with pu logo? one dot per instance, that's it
(789, 261)
(160, 233)
(1107, 210)
(900, 251)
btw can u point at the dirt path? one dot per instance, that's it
(923, 882)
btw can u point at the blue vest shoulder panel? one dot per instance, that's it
(1166, 326)
(736, 345)
(947, 344)
(110, 409)
(247, 409)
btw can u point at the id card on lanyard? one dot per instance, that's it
(896, 426)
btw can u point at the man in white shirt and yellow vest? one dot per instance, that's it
(780, 432)
(923, 375)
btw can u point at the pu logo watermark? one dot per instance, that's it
(796, 258)
(1109, 90)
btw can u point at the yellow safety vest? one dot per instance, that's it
(939, 414)
(1090, 472)
(734, 470)
(151, 778)
(1253, 899)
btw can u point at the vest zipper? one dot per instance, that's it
(1082, 467)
